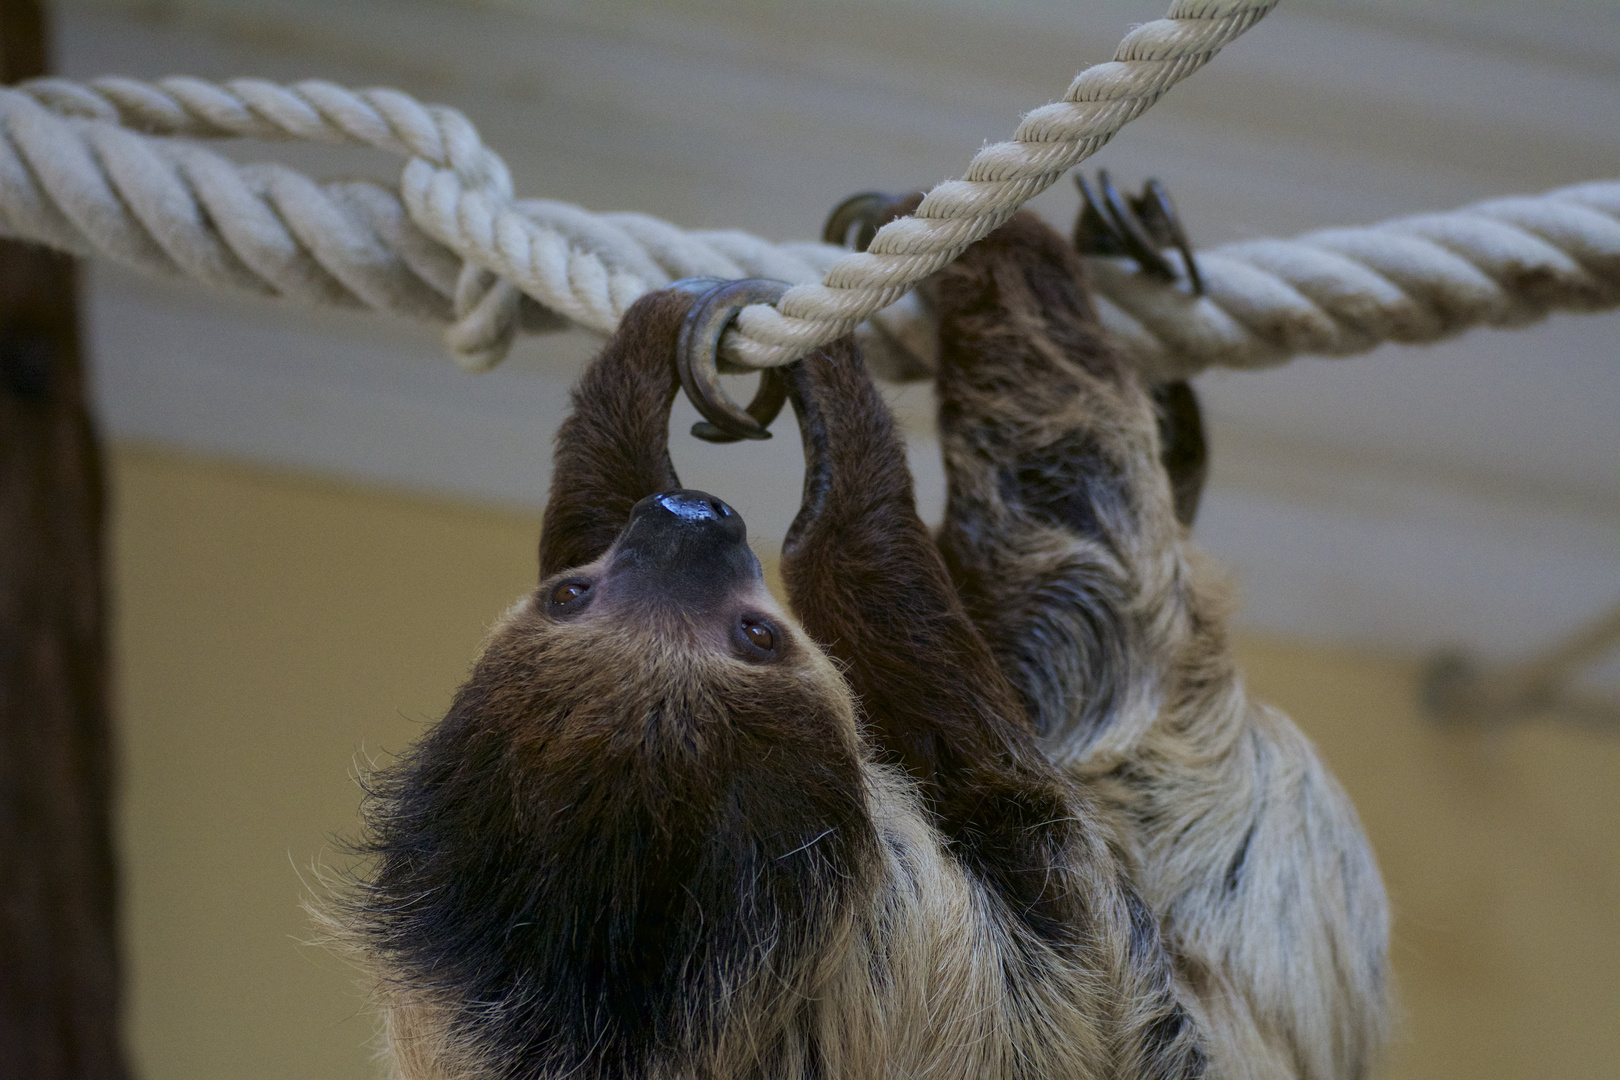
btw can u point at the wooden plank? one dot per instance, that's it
(59, 971)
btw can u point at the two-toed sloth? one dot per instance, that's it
(991, 804)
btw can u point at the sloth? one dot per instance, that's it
(1072, 490)
(985, 804)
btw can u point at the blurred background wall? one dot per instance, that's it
(317, 515)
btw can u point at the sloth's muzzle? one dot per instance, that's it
(685, 543)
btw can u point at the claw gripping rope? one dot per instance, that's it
(94, 169)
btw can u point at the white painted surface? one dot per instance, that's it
(1466, 494)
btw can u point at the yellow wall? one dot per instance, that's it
(273, 631)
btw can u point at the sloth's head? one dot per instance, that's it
(660, 679)
(667, 642)
(678, 589)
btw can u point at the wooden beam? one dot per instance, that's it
(59, 966)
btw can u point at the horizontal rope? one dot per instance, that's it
(1502, 262)
(91, 169)
(95, 169)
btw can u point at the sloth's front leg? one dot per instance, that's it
(866, 581)
(1060, 528)
(1080, 982)
(613, 450)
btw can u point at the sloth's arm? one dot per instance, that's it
(1060, 528)
(867, 582)
(614, 448)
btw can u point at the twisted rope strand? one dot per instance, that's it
(77, 172)
(458, 192)
(1503, 262)
(73, 178)
(1001, 178)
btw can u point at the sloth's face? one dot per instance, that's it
(681, 570)
(671, 637)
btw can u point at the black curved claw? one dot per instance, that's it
(855, 221)
(855, 214)
(696, 353)
(1138, 244)
(1095, 232)
(1141, 227)
(1158, 216)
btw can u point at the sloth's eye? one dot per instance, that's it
(569, 596)
(758, 638)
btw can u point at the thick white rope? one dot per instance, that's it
(155, 205)
(1502, 262)
(1049, 142)
(91, 169)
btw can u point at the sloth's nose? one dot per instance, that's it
(687, 534)
(692, 509)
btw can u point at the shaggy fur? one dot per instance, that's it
(992, 806)
(1062, 535)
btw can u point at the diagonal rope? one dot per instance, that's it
(1002, 177)
(94, 168)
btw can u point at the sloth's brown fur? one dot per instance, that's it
(1244, 845)
(993, 808)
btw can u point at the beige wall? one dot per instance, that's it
(274, 631)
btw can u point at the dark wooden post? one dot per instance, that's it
(59, 969)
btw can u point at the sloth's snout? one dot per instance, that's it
(690, 514)
(689, 541)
